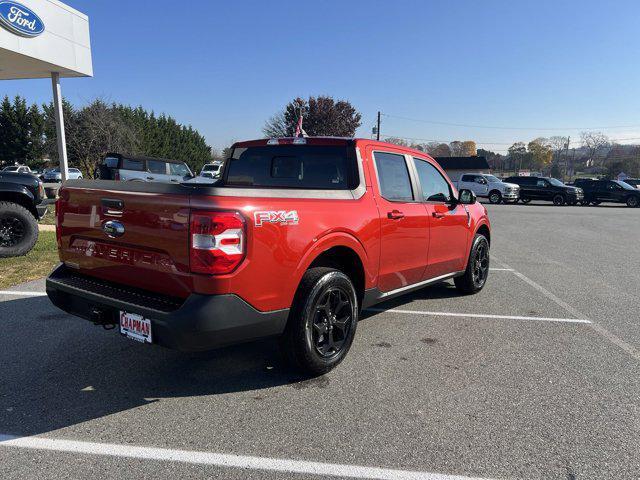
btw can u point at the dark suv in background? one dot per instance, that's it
(21, 206)
(598, 191)
(548, 189)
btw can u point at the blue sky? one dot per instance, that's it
(225, 67)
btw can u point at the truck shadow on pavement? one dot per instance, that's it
(58, 370)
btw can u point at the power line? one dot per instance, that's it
(433, 122)
(389, 135)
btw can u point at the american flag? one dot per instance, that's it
(299, 130)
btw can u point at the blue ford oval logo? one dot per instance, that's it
(19, 19)
(113, 228)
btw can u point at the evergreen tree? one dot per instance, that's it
(21, 132)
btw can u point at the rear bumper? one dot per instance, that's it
(201, 322)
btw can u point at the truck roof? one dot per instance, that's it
(325, 141)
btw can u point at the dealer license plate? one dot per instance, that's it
(135, 327)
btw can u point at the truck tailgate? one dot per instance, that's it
(139, 239)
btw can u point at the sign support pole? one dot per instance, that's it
(62, 143)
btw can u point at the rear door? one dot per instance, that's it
(133, 169)
(158, 171)
(404, 238)
(612, 192)
(449, 222)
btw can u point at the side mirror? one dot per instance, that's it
(466, 197)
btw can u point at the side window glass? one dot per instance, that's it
(434, 186)
(157, 167)
(467, 178)
(179, 169)
(542, 183)
(131, 164)
(395, 183)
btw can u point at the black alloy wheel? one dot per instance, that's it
(12, 231)
(477, 272)
(18, 230)
(329, 328)
(632, 201)
(322, 321)
(481, 265)
(558, 200)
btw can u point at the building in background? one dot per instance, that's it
(456, 166)
(45, 39)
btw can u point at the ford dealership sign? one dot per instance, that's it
(19, 19)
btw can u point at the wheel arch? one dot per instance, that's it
(483, 229)
(343, 252)
(23, 197)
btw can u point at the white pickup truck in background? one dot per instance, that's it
(489, 186)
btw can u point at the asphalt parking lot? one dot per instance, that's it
(537, 376)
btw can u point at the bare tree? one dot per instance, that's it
(593, 141)
(397, 141)
(436, 149)
(276, 126)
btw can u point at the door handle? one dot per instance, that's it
(150, 178)
(437, 215)
(395, 215)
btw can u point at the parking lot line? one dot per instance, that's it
(16, 293)
(222, 459)
(573, 311)
(501, 269)
(480, 315)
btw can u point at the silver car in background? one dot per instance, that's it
(128, 168)
(54, 175)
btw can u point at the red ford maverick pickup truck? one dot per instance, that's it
(297, 236)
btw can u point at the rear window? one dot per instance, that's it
(293, 166)
(111, 162)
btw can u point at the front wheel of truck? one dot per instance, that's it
(322, 321)
(477, 272)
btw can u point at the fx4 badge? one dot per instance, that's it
(273, 216)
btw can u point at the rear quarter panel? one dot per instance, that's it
(279, 253)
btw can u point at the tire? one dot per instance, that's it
(18, 230)
(584, 203)
(495, 197)
(559, 200)
(633, 201)
(313, 341)
(477, 272)
(525, 200)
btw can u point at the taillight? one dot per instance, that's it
(59, 222)
(218, 242)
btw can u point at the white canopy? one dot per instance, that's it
(45, 39)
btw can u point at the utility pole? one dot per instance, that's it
(378, 127)
(566, 159)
